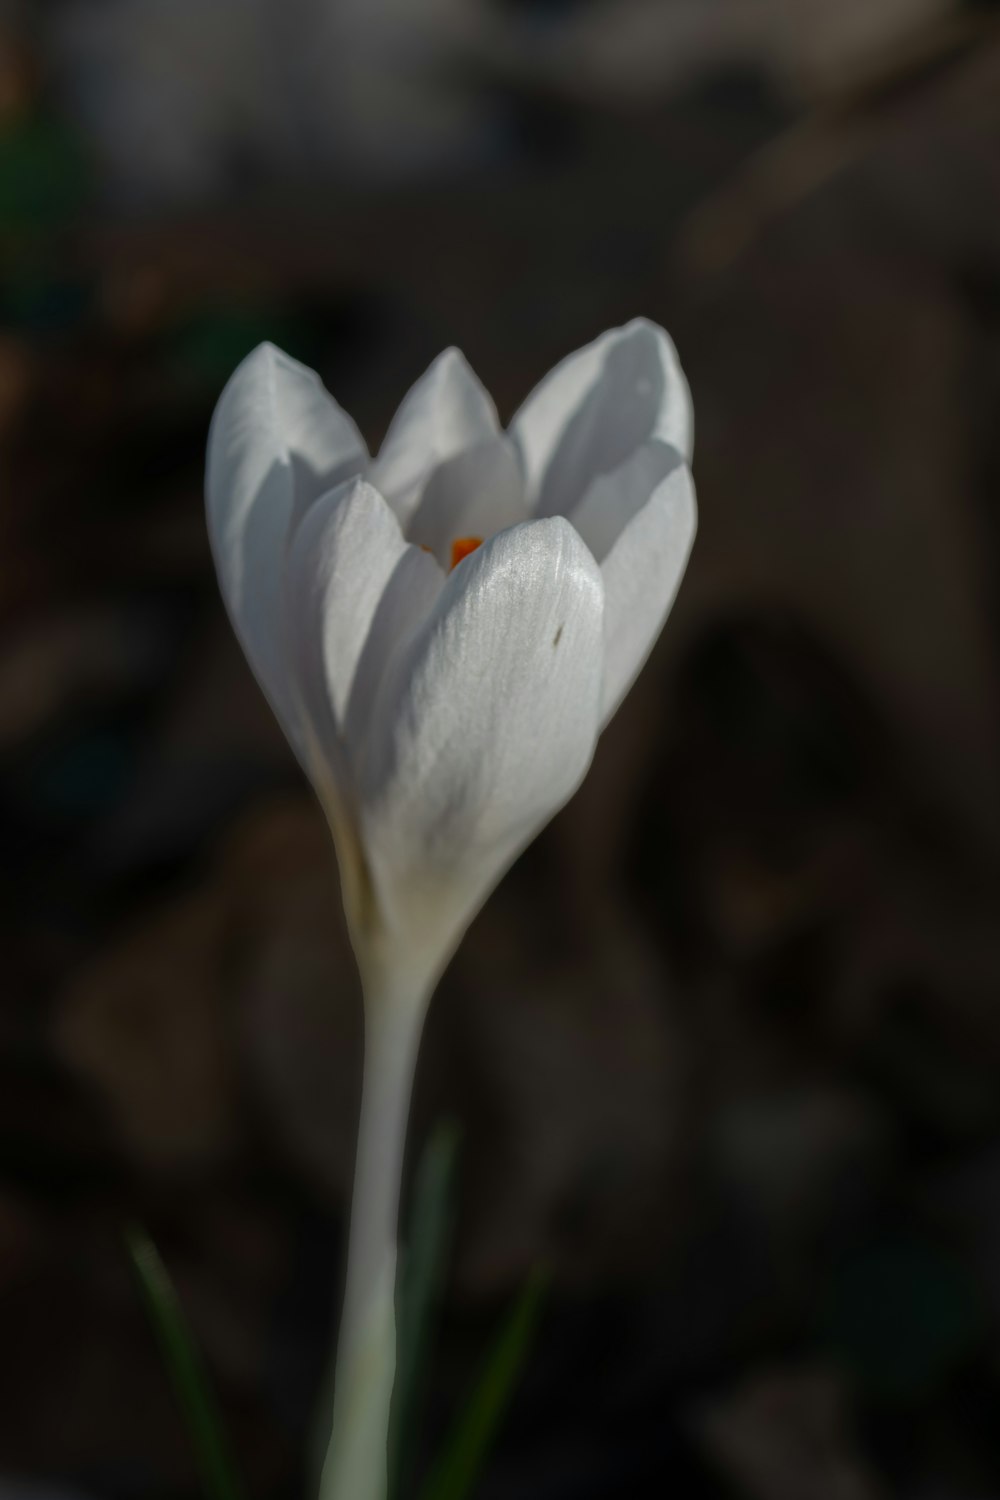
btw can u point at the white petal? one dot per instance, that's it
(642, 573)
(355, 593)
(474, 494)
(596, 408)
(447, 411)
(613, 499)
(486, 729)
(277, 440)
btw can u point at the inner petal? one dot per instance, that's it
(446, 412)
(472, 496)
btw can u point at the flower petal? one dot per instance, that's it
(355, 592)
(277, 441)
(476, 493)
(642, 571)
(485, 727)
(613, 499)
(447, 411)
(596, 408)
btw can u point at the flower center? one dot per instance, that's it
(462, 546)
(460, 549)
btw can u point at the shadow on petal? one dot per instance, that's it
(409, 597)
(614, 499)
(620, 411)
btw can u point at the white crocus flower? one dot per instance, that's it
(442, 631)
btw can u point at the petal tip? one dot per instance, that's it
(451, 364)
(263, 354)
(261, 364)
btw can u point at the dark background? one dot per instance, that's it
(726, 1043)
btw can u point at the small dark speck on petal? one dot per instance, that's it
(557, 637)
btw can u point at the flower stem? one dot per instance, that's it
(356, 1461)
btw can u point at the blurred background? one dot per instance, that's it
(725, 1045)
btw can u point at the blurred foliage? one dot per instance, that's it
(220, 1480)
(208, 341)
(466, 1448)
(902, 1317)
(45, 177)
(424, 1260)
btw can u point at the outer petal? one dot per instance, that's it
(596, 408)
(355, 592)
(485, 729)
(277, 441)
(447, 411)
(642, 573)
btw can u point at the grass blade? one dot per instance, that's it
(432, 1222)
(467, 1446)
(220, 1480)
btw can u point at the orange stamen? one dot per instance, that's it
(462, 546)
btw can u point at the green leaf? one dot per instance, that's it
(219, 1477)
(421, 1283)
(456, 1471)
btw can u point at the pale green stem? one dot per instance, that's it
(355, 1467)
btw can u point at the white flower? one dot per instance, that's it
(443, 631)
(444, 716)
